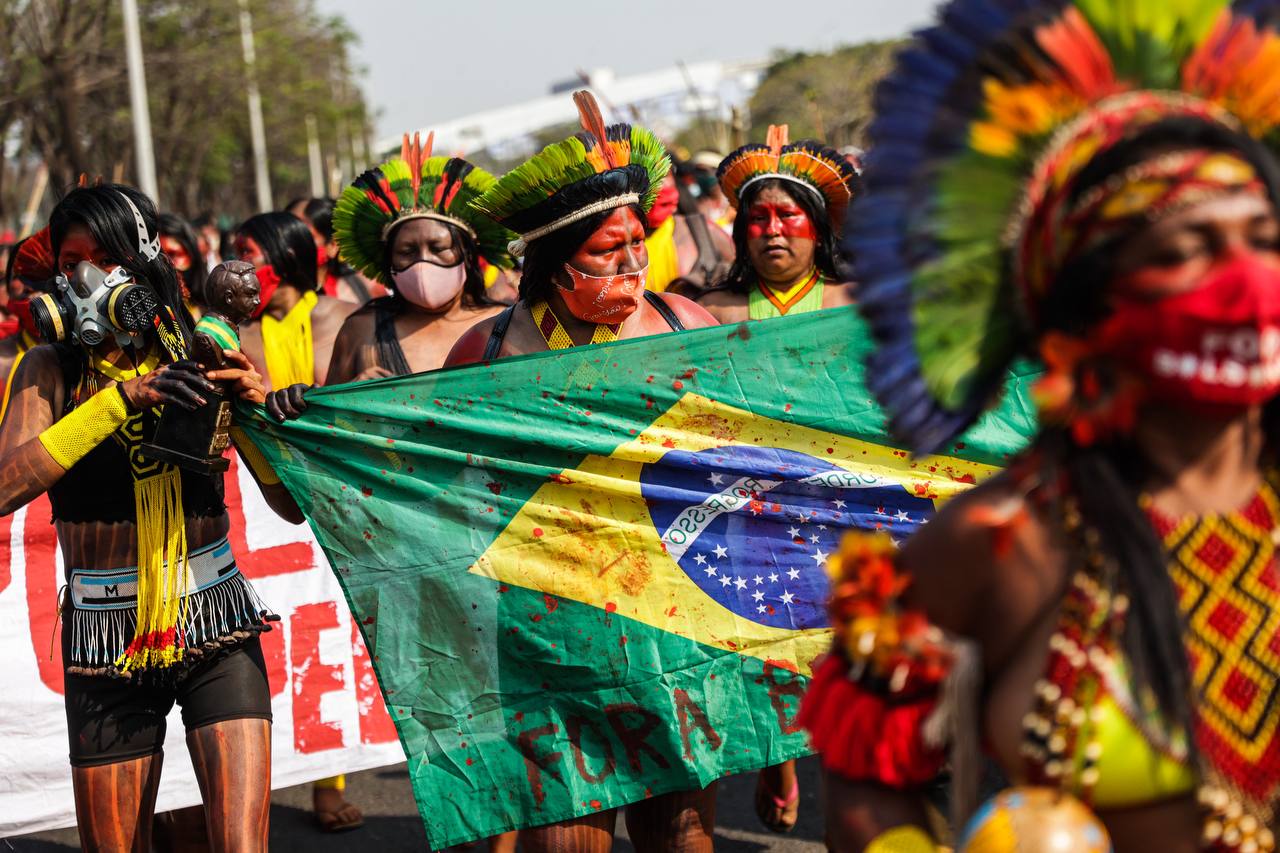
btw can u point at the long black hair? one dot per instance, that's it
(174, 226)
(103, 210)
(547, 255)
(288, 245)
(1105, 478)
(474, 293)
(742, 276)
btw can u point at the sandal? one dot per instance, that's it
(338, 817)
(778, 814)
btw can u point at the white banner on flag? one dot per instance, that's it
(329, 714)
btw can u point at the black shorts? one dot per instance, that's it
(112, 719)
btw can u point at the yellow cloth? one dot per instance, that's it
(25, 343)
(253, 458)
(664, 260)
(333, 783)
(85, 427)
(902, 839)
(1131, 771)
(288, 346)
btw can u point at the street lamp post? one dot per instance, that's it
(257, 132)
(138, 102)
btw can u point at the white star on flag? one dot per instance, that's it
(721, 551)
(739, 583)
(700, 559)
(758, 595)
(787, 597)
(794, 574)
(773, 577)
(716, 480)
(902, 516)
(814, 538)
(761, 609)
(759, 580)
(724, 580)
(795, 532)
(711, 570)
(820, 557)
(839, 504)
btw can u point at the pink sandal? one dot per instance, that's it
(793, 797)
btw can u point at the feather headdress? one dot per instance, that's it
(414, 185)
(598, 169)
(34, 258)
(820, 169)
(980, 131)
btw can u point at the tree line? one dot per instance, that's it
(64, 98)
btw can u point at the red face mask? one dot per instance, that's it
(788, 220)
(664, 206)
(322, 256)
(268, 281)
(1215, 347)
(606, 299)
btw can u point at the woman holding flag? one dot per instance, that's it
(1087, 183)
(579, 208)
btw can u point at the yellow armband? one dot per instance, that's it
(253, 457)
(72, 437)
(902, 839)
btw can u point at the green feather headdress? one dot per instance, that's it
(414, 185)
(599, 169)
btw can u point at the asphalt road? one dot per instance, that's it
(392, 824)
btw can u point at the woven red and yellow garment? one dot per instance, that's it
(1228, 583)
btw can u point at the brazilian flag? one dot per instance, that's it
(596, 575)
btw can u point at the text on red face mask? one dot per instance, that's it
(1217, 345)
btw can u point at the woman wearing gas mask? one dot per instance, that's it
(155, 611)
(409, 224)
(293, 335)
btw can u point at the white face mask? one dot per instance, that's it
(428, 285)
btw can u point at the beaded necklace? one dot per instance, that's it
(555, 335)
(1228, 585)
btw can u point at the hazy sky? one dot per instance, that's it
(430, 61)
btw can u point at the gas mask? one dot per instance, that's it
(92, 304)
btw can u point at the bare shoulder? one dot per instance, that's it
(471, 346)
(837, 294)
(986, 565)
(484, 312)
(40, 366)
(335, 309)
(691, 314)
(35, 398)
(725, 305)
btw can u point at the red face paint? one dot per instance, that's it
(616, 246)
(176, 254)
(1217, 346)
(665, 204)
(268, 283)
(765, 219)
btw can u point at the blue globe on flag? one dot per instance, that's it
(753, 526)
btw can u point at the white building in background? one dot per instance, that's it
(664, 101)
